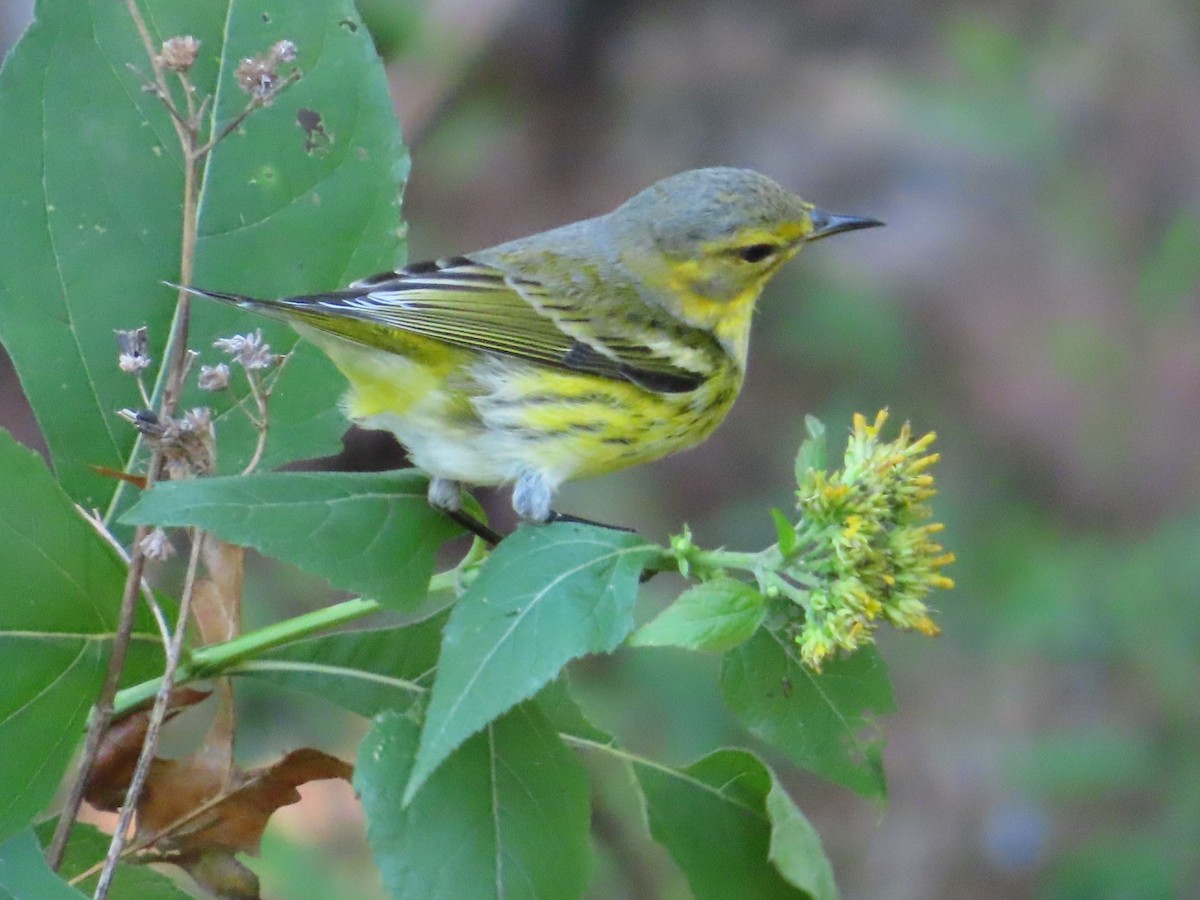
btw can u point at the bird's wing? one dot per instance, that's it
(479, 307)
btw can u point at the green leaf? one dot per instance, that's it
(796, 848)
(715, 615)
(824, 722)
(25, 875)
(610, 769)
(59, 597)
(546, 595)
(813, 455)
(90, 215)
(506, 816)
(565, 716)
(365, 672)
(785, 533)
(693, 810)
(372, 533)
(89, 845)
(734, 831)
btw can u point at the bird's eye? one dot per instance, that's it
(755, 253)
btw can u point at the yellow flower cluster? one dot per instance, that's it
(882, 558)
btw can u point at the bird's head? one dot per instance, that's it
(705, 242)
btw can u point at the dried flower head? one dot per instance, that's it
(133, 355)
(283, 51)
(214, 378)
(259, 76)
(188, 443)
(156, 546)
(248, 350)
(256, 76)
(178, 54)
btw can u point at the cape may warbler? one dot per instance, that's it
(578, 351)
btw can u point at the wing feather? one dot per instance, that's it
(479, 307)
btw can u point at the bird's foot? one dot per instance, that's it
(481, 530)
(446, 494)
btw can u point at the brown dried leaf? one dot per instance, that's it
(138, 481)
(200, 811)
(185, 814)
(217, 600)
(235, 819)
(217, 610)
(119, 749)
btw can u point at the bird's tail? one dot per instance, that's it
(236, 299)
(309, 310)
(275, 309)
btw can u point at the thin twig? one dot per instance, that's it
(160, 619)
(141, 383)
(261, 422)
(158, 715)
(171, 380)
(160, 76)
(189, 94)
(102, 712)
(203, 107)
(260, 393)
(159, 90)
(480, 529)
(101, 716)
(253, 104)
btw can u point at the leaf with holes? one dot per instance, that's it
(90, 214)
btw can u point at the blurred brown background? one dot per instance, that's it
(1035, 300)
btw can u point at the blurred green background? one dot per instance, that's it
(1035, 300)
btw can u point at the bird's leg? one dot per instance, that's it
(531, 496)
(531, 499)
(446, 494)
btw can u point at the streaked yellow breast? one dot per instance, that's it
(582, 425)
(484, 418)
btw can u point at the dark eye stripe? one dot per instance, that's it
(755, 252)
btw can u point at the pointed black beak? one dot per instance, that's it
(827, 223)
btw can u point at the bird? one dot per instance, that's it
(578, 351)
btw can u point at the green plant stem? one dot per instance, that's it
(731, 559)
(207, 662)
(213, 660)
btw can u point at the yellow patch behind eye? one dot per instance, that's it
(794, 231)
(781, 235)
